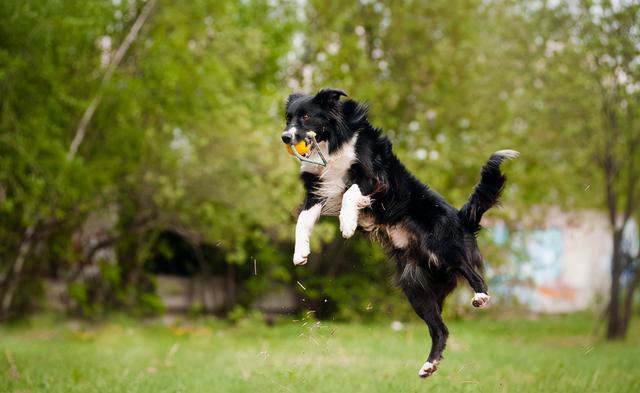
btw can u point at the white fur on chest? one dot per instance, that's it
(332, 184)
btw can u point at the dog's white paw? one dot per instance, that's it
(427, 369)
(299, 259)
(301, 253)
(348, 223)
(480, 300)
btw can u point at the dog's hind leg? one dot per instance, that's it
(481, 297)
(425, 304)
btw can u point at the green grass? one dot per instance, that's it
(486, 355)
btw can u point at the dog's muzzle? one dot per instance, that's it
(287, 137)
(291, 138)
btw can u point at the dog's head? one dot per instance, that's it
(320, 113)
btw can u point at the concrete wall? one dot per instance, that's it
(181, 294)
(563, 261)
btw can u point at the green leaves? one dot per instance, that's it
(186, 136)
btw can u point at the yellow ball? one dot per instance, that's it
(302, 148)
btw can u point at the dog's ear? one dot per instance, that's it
(292, 97)
(329, 98)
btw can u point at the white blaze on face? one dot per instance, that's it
(306, 221)
(291, 132)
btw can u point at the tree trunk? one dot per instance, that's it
(614, 325)
(230, 286)
(628, 302)
(12, 278)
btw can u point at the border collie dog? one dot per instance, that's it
(366, 186)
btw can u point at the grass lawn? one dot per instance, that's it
(556, 354)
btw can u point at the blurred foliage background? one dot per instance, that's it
(182, 159)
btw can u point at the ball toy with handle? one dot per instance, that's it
(303, 149)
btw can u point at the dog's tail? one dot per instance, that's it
(486, 194)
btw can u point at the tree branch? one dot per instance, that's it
(115, 62)
(144, 225)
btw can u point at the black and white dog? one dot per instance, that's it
(366, 186)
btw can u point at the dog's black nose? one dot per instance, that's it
(286, 137)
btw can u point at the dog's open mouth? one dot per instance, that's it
(311, 148)
(303, 148)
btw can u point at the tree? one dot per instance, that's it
(40, 189)
(583, 102)
(176, 140)
(611, 37)
(184, 134)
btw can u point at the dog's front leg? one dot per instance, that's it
(311, 209)
(306, 221)
(352, 202)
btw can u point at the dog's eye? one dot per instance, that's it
(305, 117)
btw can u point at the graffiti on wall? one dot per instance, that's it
(562, 267)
